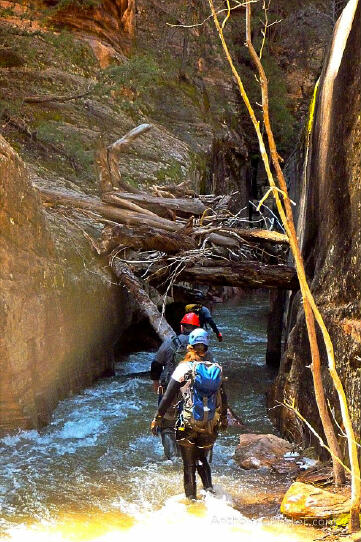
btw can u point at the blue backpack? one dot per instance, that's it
(202, 401)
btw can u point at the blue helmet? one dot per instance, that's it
(198, 336)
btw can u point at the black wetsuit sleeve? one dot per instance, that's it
(162, 357)
(167, 399)
(155, 370)
(207, 318)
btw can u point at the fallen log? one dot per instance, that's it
(247, 234)
(146, 305)
(122, 216)
(223, 240)
(181, 206)
(174, 190)
(41, 99)
(144, 237)
(243, 274)
(118, 201)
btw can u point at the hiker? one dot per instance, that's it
(205, 318)
(170, 353)
(203, 411)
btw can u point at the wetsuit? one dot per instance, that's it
(205, 317)
(193, 445)
(161, 370)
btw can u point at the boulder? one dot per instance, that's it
(304, 501)
(257, 451)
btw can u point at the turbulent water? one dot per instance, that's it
(96, 471)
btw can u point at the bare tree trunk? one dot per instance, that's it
(145, 304)
(161, 206)
(287, 219)
(339, 473)
(123, 216)
(107, 161)
(143, 237)
(220, 273)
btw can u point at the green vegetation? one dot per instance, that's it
(142, 71)
(71, 144)
(75, 53)
(131, 84)
(79, 4)
(172, 172)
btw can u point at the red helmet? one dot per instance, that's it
(191, 319)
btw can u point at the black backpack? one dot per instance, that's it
(179, 351)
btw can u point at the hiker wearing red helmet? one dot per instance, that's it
(171, 351)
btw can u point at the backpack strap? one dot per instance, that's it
(176, 342)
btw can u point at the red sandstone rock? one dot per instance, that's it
(305, 501)
(256, 451)
(112, 22)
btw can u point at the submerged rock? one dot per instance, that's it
(257, 451)
(305, 501)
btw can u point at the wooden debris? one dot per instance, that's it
(108, 157)
(182, 207)
(40, 99)
(243, 274)
(146, 305)
(123, 216)
(248, 234)
(144, 237)
(173, 236)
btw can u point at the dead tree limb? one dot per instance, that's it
(212, 271)
(118, 201)
(243, 274)
(145, 304)
(40, 99)
(248, 234)
(122, 216)
(283, 207)
(310, 308)
(144, 238)
(181, 206)
(107, 160)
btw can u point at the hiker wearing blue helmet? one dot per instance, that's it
(203, 413)
(170, 353)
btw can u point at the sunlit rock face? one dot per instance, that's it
(108, 25)
(330, 234)
(59, 312)
(305, 501)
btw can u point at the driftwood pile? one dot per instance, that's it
(172, 235)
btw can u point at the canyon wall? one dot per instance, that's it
(329, 229)
(116, 65)
(60, 314)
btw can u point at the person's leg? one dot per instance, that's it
(203, 468)
(189, 471)
(169, 443)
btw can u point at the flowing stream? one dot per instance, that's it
(96, 472)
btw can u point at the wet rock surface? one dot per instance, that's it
(306, 501)
(330, 233)
(258, 451)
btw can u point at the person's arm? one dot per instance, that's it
(224, 408)
(167, 399)
(177, 380)
(207, 318)
(171, 392)
(159, 362)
